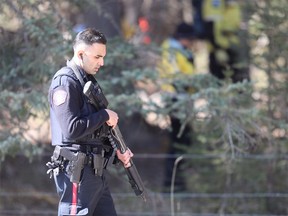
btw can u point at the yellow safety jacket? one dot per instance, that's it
(175, 61)
(226, 18)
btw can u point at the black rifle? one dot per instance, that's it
(98, 99)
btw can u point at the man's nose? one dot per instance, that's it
(102, 62)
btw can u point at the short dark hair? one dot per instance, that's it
(90, 36)
(184, 30)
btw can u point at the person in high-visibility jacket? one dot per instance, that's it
(177, 57)
(177, 62)
(218, 22)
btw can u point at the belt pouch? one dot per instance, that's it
(98, 163)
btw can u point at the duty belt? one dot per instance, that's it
(89, 139)
(78, 159)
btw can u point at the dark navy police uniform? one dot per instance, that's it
(77, 126)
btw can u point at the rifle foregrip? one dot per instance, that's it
(135, 180)
(120, 141)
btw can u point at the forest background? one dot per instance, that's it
(237, 164)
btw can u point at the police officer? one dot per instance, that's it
(79, 129)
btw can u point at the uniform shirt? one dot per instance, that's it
(72, 118)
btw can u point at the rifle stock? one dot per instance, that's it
(98, 99)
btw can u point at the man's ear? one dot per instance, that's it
(80, 55)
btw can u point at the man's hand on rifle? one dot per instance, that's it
(125, 158)
(113, 118)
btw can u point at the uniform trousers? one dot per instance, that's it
(91, 197)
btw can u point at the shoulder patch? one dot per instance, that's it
(59, 97)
